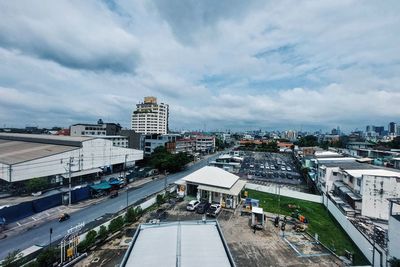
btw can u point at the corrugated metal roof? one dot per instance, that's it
(12, 152)
(190, 243)
(212, 176)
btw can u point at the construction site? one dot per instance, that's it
(250, 233)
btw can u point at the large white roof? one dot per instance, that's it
(190, 243)
(374, 172)
(212, 176)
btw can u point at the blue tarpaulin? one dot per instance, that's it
(101, 186)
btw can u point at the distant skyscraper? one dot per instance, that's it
(392, 128)
(150, 117)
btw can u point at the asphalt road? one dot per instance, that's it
(40, 235)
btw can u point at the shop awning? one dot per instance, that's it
(101, 186)
(84, 172)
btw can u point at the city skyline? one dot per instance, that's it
(226, 65)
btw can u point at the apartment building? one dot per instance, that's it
(152, 141)
(108, 131)
(185, 146)
(99, 129)
(150, 117)
(205, 144)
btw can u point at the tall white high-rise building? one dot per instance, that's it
(150, 117)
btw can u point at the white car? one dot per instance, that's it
(214, 210)
(192, 205)
(283, 168)
(288, 168)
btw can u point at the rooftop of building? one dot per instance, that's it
(183, 243)
(212, 176)
(18, 148)
(373, 172)
(352, 165)
(327, 154)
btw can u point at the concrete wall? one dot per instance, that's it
(376, 191)
(285, 192)
(394, 238)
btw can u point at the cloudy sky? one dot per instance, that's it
(219, 64)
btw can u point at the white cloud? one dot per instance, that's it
(225, 64)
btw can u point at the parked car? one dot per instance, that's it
(288, 168)
(202, 207)
(283, 168)
(214, 210)
(192, 205)
(64, 217)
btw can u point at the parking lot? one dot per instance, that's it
(270, 167)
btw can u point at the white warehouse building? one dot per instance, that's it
(27, 156)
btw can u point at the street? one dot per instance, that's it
(40, 235)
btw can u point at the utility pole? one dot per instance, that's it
(126, 180)
(51, 232)
(69, 178)
(373, 246)
(9, 172)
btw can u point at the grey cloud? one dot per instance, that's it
(82, 35)
(188, 18)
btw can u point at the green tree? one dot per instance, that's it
(11, 259)
(102, 234)
(90, 238)
(130, 215)
(48, 257)
(159, 199)
(116, 224)
(37, 184)
(308, 140)
(394, 262)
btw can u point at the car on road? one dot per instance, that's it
(64, 217)
(192, 205)
(202, 207)
(214, 210)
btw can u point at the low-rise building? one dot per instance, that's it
(228, 163)
(27, 156)
(183, 243)
(152, 141)
(99, 129)
(394, 228)
(185, 145)
(213, 184)
(205, 144)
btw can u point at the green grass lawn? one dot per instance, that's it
(330, 233)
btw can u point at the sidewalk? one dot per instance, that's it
(36, 220)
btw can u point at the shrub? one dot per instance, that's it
(160, 199)
(90, 238)
(130, 215)
(11, 259)
(116, 224)
(48, 257)
(102, 234)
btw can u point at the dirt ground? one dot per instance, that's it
(267, 247)
(263, 248)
